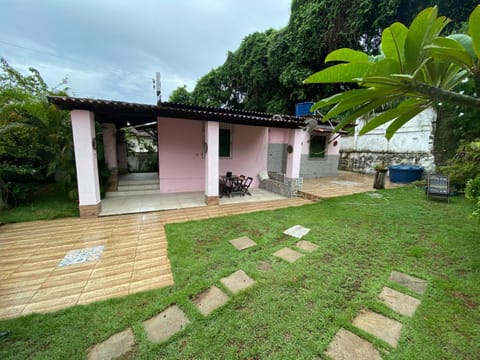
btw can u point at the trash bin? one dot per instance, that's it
(405, 173)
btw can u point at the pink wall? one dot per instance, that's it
(249, 152)
(278, 136)
(331, 149)
(181, 166)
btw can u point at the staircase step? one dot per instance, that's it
(138, 187)
(138, 182)
(132, 193)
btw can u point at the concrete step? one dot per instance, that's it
(138, 187)
(138, 182)
(132, 193)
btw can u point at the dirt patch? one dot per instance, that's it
(327, 258)
(265, 266)
(467, 300)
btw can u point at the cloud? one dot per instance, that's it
(112, 49)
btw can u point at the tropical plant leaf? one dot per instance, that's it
(451, 51)
(466, 41)
(405, 117)
(339, 73)
(424, 28)
(474, 29)
(393, 42)
(383, 67)
(347, 55)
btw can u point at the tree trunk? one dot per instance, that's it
(379, 181)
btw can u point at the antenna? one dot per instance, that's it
(158, 87)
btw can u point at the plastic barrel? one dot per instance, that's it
(405, 173)
(303, 109)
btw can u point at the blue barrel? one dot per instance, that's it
(405, 173)
(303, 109)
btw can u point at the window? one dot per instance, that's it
(224, 139)
(317, 146)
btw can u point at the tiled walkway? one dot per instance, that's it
(134, 258)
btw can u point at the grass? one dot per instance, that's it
(294, 310)
(48, 203)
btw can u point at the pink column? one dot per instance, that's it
(294, 157)
(83, 126)
(211, 162)
(110, 149)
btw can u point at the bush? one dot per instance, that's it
(465, 165)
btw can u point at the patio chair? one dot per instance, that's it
(245, 185)
(438, 186)
(224, 187)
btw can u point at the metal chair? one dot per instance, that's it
(245, 185)
(438, 186)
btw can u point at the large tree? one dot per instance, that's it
(266, 72)
(415, 69)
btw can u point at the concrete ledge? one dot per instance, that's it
(90, 211)
(211, 200)
(280, 184)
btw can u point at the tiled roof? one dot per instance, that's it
(121, 113)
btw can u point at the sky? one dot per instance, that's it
(111, 49)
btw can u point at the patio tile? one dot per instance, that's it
(210, 300)
(242, 243)
(107, 281)
(11, 311)
(51, 304)
(78, 256)
(398, 302)
(103, 293)
(167, 323)
(17, 298)
(379, 326)
(58, 291)
(306, 246)
(297, 231)
(237, 281)
(115, 346)
(411, 282)
(288, 254)
(150, 284)
(348, 346)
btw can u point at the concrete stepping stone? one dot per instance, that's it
(237, 281)
(115, 346)
(288, 254)
(210, 300)
(398, 302)
(167, 323)
(415, 284)
(297, 231)
(348, 346)
(379, 326)
(306, 246)
(242, 243)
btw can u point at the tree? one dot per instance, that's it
(181, 95)
(36, 143)
(415, 69)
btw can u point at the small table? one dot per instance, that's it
(230, 185)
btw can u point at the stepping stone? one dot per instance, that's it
(237, 281)
(398, 302)
(115, 346)
(415, 284)
(346, 345)
(297, 231)
(288, 254)
(307, 246)
(167, 323)
(243, 243)
(209, 300)
(379, 326)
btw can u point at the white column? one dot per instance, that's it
(294, 158)
(211, 162)
(83, 126)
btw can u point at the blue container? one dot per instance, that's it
(303, 109)
(405, 173)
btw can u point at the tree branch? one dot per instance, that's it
(441, 95)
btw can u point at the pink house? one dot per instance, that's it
(197, 144)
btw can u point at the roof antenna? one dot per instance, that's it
(157, 87)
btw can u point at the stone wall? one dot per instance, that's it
(314, 168)
(280, 184)
(364, 162)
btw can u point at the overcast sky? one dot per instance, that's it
(111, 49)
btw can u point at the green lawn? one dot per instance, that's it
(294, 310)
(49, 203)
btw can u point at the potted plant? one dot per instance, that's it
(380, 171)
